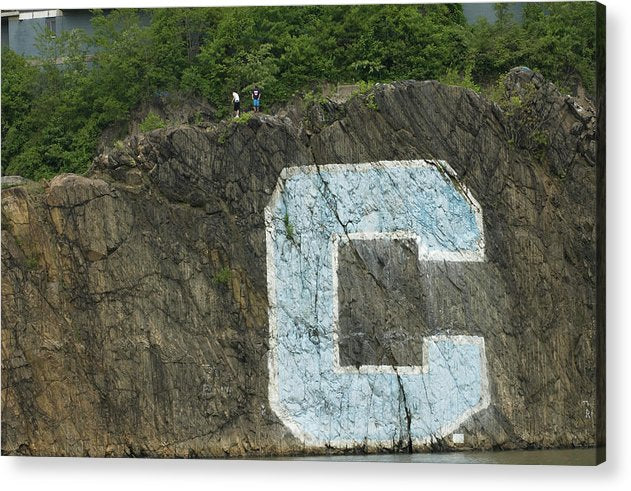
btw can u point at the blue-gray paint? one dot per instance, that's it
(320, 402)
(475, 11)
(5, 32)
(21, 35)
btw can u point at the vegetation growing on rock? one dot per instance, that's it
(53, 115)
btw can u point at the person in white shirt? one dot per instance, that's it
(237, 104)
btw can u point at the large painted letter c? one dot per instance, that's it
(312, 211)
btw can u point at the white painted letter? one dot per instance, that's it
(312, 211)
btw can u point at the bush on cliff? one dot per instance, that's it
(53, 115)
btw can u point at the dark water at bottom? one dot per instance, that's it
(576, 456)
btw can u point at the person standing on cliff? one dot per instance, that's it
(237, 104)
(256, 99)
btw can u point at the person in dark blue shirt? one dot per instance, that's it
(256, 99)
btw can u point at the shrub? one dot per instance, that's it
(454, 77)
(244, 118)
(289, 228)
(223, 276)
(152, 122)
(32, 263)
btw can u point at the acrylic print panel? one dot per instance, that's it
(391, 247)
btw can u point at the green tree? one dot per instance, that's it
(51, 134)
(18, 90)
(55, 108)
(496, 48)
(561, 42)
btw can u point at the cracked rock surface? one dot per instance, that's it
(135, 304)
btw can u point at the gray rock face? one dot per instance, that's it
(382, 316)
(10, 181)
(135, 303)
(389, 301)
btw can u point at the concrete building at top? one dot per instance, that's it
(20, 28)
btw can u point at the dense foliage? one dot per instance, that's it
(53, 114)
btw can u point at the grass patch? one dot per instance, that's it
(152, 122)
(32, 263)
(289, 228)
(314, 97)
(223, 136)
(223, 276)
(363, 87)
(365, 90)
(455, 78)
(244, 118)
(371, 103)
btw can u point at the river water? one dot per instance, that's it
(575, 456)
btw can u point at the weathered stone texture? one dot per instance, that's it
(134, 300)
(389, 301)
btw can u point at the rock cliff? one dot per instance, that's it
(156, 306)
